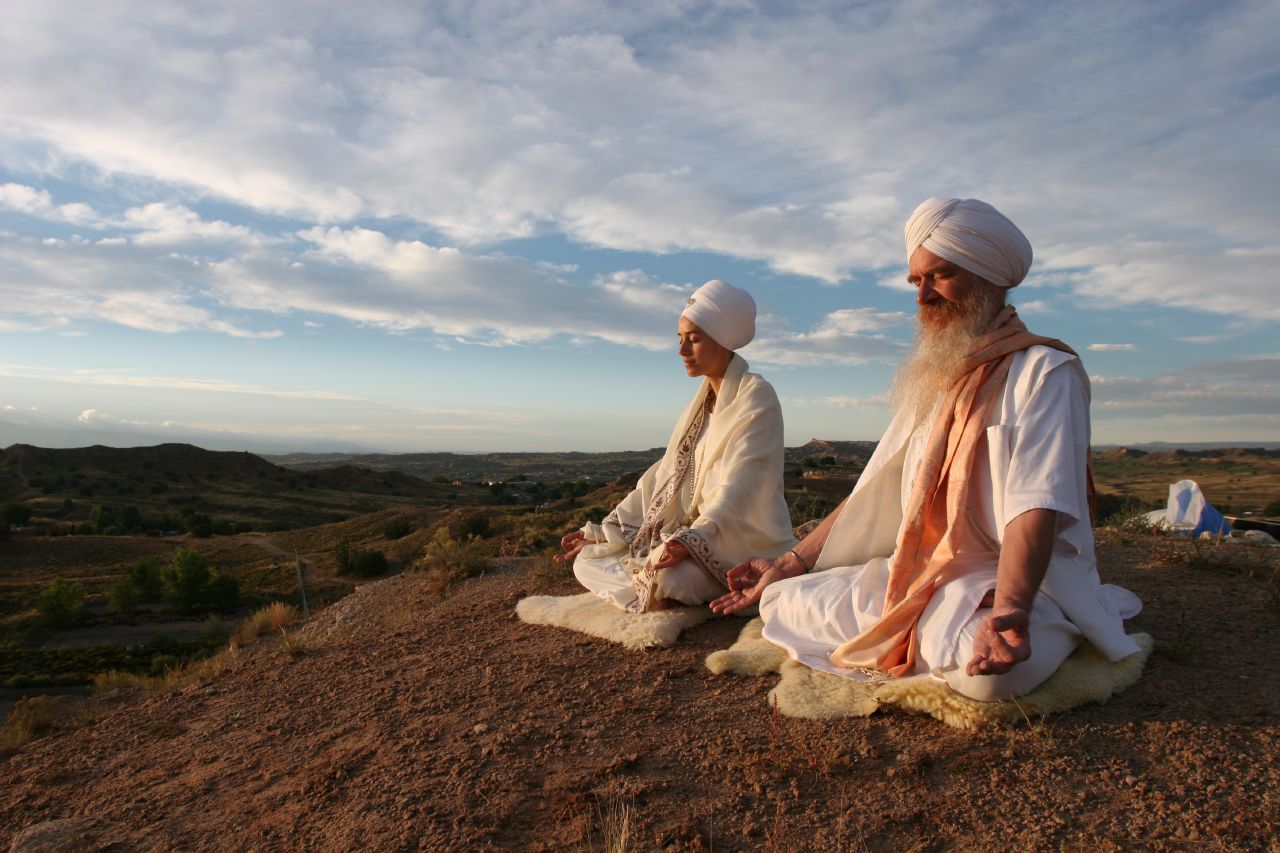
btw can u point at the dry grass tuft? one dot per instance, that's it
(274, 617)
(613, 816)
(30, 718)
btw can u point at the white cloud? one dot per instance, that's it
(795, 137)
(876, 401)
(1111, 347)
(39, 203)
(92, 377)
(851, 336)
(1248, 387)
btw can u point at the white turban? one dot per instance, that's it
(971, 234)
(725, 312)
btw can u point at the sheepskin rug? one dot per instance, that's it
(590, 614)
(1084, 677)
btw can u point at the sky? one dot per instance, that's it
(470, 226)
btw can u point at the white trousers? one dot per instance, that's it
(813, 615)
(686, 582)
(1053, 639)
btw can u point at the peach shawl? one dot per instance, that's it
(935, 520)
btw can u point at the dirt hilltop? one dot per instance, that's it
(403, 718)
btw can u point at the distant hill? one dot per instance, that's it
(165, 479)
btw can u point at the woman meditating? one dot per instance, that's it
(715, 498)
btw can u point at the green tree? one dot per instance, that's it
(102, 517)
(123, 596)
(345, 555)
(145, 577)
(131, 519)
(191, 584)
(61, 604)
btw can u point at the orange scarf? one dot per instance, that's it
(936, 518)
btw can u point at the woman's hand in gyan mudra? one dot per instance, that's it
(572, 544)
(672, 553)
(746, 584)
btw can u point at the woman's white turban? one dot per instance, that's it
(971, 234)
(725, 312)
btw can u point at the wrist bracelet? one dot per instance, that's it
(807, 568)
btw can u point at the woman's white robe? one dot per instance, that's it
(731, 509)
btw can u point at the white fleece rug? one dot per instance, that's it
(1085, 677)
(587, 613)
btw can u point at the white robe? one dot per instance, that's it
(1035, 457)
(730, 509)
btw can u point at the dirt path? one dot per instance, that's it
(420, 723)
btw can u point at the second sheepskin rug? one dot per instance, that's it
(590, 614)
(1086, 676)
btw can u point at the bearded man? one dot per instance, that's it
(965, 551)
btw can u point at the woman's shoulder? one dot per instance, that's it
(757, 391)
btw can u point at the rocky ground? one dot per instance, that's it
(403, 718)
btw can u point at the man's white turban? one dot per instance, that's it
(725, 312)
(973, 235)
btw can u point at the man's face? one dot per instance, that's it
(942, 288)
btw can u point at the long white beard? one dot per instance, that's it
(945, 334)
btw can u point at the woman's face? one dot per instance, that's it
(701, 355)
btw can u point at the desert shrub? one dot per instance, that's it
(805, 505)
(1119, 511)
(454, 558)
(215, 631)
(367, 564)
(15, 514)
(1272, 508)
(162, 663)
(30, 718)
(191, 585)
(352, 560)
(397, 529)
(61, 604)
(474, 526)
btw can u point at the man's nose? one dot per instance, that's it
(925, 292)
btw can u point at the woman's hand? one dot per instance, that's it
(746, 584)
(672, 553)
(572, 544)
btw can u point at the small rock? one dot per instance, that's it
(56, 836)
(479, 728)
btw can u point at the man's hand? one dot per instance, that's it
(1001, 642)
(572, 544)
(672, 553)
(746, 584)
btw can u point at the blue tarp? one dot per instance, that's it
(1191, 514)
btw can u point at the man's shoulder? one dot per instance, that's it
(1037, 361)
(1041, 367)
